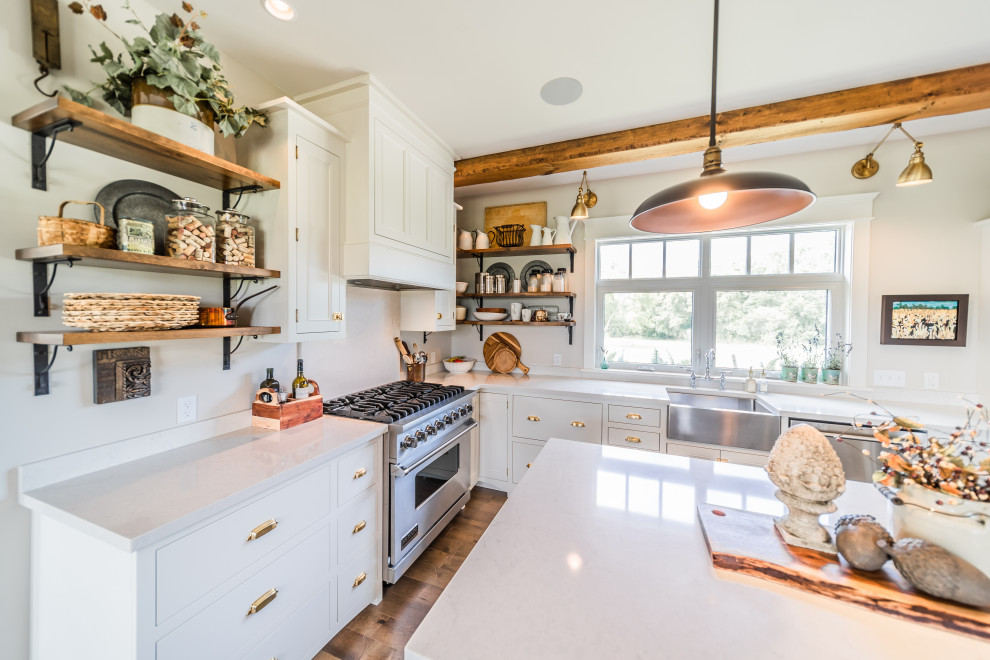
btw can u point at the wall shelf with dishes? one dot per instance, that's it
(522, 251)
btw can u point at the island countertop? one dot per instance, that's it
(598, 553)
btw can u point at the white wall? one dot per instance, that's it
(923, 240)
(66, 420)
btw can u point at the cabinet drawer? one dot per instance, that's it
(631, 415)
(306, 629)
(222, 627)
(356, 473)
(634, 439)
(693, 451)
(356, 582)
(198, 562)
(523, 455)
(742, 458)
(542, 419)
(356, 526)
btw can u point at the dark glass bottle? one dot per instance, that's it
(269, 381)
(300, 386)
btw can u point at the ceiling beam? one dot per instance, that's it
(945, 93)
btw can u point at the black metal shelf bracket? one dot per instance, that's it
(42, 365)
(228, 351)
(425, 335)
(42, 283)
(240, 190)
(570, 335)
(481, 331)
(572, 261)
(481, 261)
(40, 155)
(229, 298)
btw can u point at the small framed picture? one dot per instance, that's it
(925, 320)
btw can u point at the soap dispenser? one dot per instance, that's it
(750, 383)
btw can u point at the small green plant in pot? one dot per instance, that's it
(835, 359)
(812, 356)
(788, 363)
(172, 75)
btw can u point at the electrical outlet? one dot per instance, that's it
(433, 357)
(888, 378)
(185, 409)
(556, 359)
(931, 380)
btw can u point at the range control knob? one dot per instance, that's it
(409, 442)
(462, 411)
(439, 424)
(470, 408)
(431, 429)
(455, 414)
(420, 437)
(448, 419)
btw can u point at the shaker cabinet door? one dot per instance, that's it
(494, 436)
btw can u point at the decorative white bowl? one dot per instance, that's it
(459, 367)
(489, 316)
(461, 286)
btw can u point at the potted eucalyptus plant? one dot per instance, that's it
(835, 359)
(788, 364)
(812, 358)
(171, 82)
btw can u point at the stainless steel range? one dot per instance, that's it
(429, 459)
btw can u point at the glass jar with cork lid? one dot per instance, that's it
(191, 231)
(235, 238)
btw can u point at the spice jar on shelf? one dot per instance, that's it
(235, 238)
(191, 231)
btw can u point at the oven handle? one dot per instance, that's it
(397, 471)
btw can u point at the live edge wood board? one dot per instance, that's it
(747, 543)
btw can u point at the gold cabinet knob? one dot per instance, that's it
(633, 439)
(529, 465)
(533, 418)
(633, 416)
(358, 527)
(337, 316)
(263, 601)
(360, 473)
(360, 578)
(439, 316)
(262, 529)
(579, 425)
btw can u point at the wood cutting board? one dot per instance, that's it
(499, 340)
(748, 543)
(532, 213)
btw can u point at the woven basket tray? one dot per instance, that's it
(113, 312)
(56, 229)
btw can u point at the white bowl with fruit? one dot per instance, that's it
(458, 364)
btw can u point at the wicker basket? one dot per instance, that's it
(509, 235)
(53, 230)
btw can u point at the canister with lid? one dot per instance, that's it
(560, 282)
(235, 238)
(191, 231)
(546, 281)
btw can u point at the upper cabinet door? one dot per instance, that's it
(440, 234)
(319, 287)
(390, 185)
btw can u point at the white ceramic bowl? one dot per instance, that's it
(489, 316)
(461, 286)
(459, 367)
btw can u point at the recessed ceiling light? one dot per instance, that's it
(280, 9)
(561, 91)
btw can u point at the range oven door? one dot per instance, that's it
(422, 495)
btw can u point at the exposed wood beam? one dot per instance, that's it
(945, 93)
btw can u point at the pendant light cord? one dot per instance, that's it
(711, 119)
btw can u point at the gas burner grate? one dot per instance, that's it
(392, 402)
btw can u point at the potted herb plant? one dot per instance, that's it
(835, 358)
(812, 356)
(171, 82)
(788, 364)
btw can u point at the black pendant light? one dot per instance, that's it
(718, 200)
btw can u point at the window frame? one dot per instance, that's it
(705, 287)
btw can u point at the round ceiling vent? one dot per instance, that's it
(561, 91)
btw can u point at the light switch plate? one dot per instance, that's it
(931, 380)
(888, 378)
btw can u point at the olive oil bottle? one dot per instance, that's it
(269, 381)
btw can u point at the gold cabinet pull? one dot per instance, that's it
(358, 527)
(439, 316)
(360, 578)
(579, 425)
(633, 439)
(337, 316)
(533, 418)
(529, 465)
(722, 460)
(263, 601)
(262, 529)
(633, 416)
(360, 473)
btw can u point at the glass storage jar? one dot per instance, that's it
(565, 282)
(235, 238)
(191, 231)
(546, 281)
(533, 283)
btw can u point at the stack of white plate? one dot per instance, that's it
(114, 312)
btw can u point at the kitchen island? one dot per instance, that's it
(599, 554)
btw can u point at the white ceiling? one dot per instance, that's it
(473, 70)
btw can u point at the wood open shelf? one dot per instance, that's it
(105, 134)
(536, 323)
(82, 337)
(84, 255)
(524, 294)
(522, 251)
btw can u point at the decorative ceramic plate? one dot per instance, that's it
(536, 265)
(142, 200)
(505, 269)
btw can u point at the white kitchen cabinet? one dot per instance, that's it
(494, 421)
(755, 459)
(634, 438)
(427, 311)
(475, 448)
(300, 225)
(539, 418)
(399, 229)
(713, 453)
(524, 452)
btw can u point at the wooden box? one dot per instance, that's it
(280, 416)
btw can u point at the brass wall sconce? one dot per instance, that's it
(585, 200)
(916, 172)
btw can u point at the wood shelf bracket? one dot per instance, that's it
(42, 365)
(42, 283)
(40, 155)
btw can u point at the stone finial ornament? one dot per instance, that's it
(808, 476)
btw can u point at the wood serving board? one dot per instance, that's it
(748, 543)
(497, 341)
(533, 213)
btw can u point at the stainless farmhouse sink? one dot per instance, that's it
(722, 419)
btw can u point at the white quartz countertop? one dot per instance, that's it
(598, 554)
(138, 503)
(586, 387)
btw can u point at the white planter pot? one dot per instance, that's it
(174, 125)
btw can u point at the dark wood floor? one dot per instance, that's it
(380, 631)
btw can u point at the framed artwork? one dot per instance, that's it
(925, 320)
